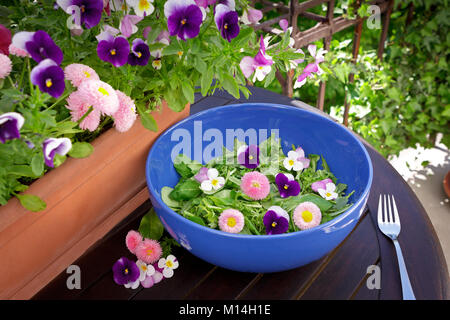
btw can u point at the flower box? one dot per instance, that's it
(85, 199)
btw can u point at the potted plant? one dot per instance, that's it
(99, 84)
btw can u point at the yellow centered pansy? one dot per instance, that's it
(169, 264)
(144, 5)
(48, 83)
(113, 52)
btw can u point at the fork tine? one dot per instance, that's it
(391, 218)
(380, 211)
(397, 218)
(386, 217)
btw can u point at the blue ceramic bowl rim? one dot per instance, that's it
(261, 237)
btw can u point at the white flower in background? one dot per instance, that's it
(291, 162)
(329, 192)
(142, 8)
(145, 269)
(168, 265)
(213, 182)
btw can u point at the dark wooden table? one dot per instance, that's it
(342, 274)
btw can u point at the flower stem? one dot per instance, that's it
(85, 115)
(29, 72)
(64, 96)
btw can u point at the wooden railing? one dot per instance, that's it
(324, 29)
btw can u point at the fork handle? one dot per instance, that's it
(407, 290)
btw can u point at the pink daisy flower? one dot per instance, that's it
(17, 51)
(132, 240)
(231, 220)
(255, 185)
(125, 116)
(78, 106)
(148, 251)
(77, 73)
(307, 215)
(5, 66)
(100, 95)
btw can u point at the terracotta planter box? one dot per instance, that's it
(85, 199)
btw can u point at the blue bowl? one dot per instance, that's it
(345, 155)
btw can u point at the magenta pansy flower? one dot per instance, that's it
(202, 175)
(315, 186)
(184, 18)
(260, 65)
(311, 68)
(128, 25)
(10, 124)
(49, 77)
(251, 16)
(287, 186)
(227, 22)
(276, 220)
(284, 24)
(39, 45)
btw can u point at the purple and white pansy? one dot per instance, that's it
(139, 54)
(248, 156)
(49, 77)
(251, 16)
(287, 185)
(39, 45)
(184, 18)
(10, 124)
(53, 146)
(87, 12)
(227, 21)
(326, 188)
(276, 220)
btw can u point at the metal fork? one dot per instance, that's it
(390, 226)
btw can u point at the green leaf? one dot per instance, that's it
(81, 150)
(165, 192)
(206, 81)
(269, 78)
(21, 170)
(186, 190)
(31, 202)
(153, 34)
(151, 227)
(37, 164)
(196, 219)
(183, 170)
(200, 65)
(230, 84)
(148, 121)
(188, 91)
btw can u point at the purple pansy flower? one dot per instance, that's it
(248, 156)
(39, 45)
(287, 186)
(49, 77)
(10, 124)
(125, 271)
(184, 18)
(322, 184)
(114, 50)
(202, 175)
(139, 54)
(229, 3)
(51, 146)
(89, 12)
(276, 220)
(227, 22)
